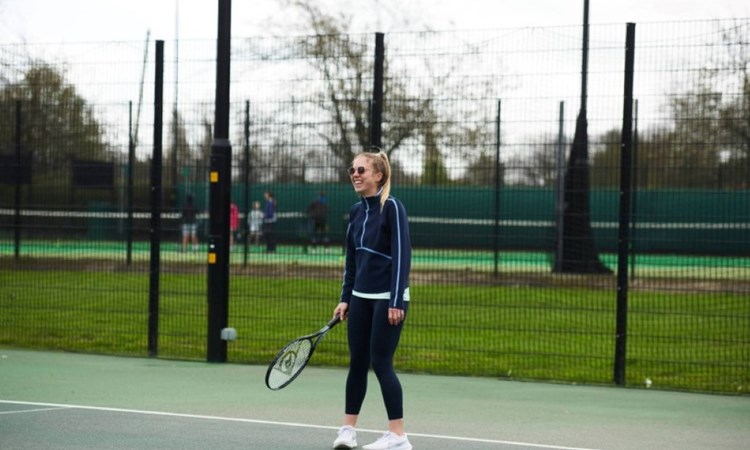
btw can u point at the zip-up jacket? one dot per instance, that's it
(269, 211)
(378, 252)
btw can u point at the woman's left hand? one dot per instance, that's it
(395, 316)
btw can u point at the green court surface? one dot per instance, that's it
(425, 259)
(63, 400)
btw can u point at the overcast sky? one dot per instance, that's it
(41, 21)
(97, 21)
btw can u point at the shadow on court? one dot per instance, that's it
(61, 400)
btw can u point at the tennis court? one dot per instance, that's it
(65, 400)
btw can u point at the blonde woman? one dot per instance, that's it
(374, 297)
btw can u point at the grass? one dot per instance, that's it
(678, 340)
(646, 265)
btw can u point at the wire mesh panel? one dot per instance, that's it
(688, 316)
(480, 127)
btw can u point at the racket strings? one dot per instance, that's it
(290, 362)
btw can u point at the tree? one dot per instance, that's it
(412, 116)
(58, 124)
(735, 122)
(605, 163)
(178, 158)
(537, 167)
(707, 141)
(693, 153)
(346, 67)
(481, 171)
(420, 117)
(434, 172)
(203, 156)
(734, 111)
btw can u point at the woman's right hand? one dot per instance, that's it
(341, 310)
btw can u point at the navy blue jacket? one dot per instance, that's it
(378, 252)
(269, 211)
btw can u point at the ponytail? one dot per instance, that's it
(386, 181)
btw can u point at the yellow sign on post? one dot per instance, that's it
(212, 258)
(214, 177)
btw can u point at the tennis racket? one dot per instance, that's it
(293, 358)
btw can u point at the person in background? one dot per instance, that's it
(374, 297)
(254, 223)
(189, 224)
(269, 221)
(234, 223)
(317, 211)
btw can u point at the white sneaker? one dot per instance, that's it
(347, 438)
(390, 441)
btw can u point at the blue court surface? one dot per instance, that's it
(53, 400)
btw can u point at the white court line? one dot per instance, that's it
(285, 424)
(23, 411)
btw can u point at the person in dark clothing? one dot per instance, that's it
(317, 211)
(189, 224)
(375, 297)
(269, 221)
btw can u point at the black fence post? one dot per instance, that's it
(376, 111)
(220, 188)
(634, 197)
(560, 189)
(129, 202)
(156, 188)
(625, 192)
(498, 186)
(17, 184)
(246, 181)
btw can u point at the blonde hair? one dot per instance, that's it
(382, 165)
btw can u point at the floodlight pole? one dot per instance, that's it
(220, 188)
(585, 57)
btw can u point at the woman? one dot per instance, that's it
(374, 297)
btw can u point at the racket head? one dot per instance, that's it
(288, 363)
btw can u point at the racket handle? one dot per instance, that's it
(336, 319)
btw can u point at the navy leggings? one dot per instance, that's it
(372, 340)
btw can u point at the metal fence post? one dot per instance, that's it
(156, 204)
(560, 189)
(129, 201)
(246, 182)
(623, 240)
(498, 185)
(220, 189)
(17, 185)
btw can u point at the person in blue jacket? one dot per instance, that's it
(374, 297)
(269, 221)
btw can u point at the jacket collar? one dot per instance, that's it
(374, 200)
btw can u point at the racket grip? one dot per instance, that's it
(336, 319)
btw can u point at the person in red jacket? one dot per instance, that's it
(234, 222)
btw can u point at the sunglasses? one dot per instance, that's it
(360, 170)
